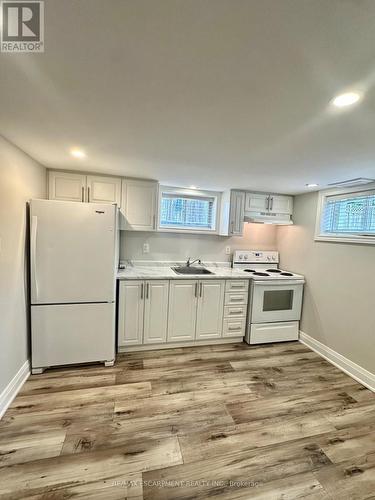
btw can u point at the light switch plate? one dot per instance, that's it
(227, 250)
(146, 248)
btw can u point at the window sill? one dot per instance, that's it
(361, 240)
(212, 232)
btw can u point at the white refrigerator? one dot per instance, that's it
(73, 262)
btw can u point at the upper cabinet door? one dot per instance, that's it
(236, 213)
(257, 202)
(281, 204)
(66, 186)
(139, 205)
(210, 309)
(156, 311)
(183, 296)
(101, 189)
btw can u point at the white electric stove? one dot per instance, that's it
(275, 297)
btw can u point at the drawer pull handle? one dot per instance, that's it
(236, 311)
(234, 328)
(236, 285)
(236, 299)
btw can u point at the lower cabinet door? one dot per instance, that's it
(183, 296)
(131, 309)
(156, 312)
(210, 309)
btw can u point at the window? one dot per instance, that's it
(347, 216)
(187, 210)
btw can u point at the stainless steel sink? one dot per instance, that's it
(191, 270)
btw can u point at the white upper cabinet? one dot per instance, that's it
(139, 205)
(66, 186)
(232, 213)
(269, 203)
(280, 204)
(236, 213)
(210, 309)
(256, 202)
(103, 189)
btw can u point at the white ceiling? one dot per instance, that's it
(215, 93)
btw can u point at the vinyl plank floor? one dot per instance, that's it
(226, 421)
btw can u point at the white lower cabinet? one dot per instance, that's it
(143, 312)
(183, 298)
(210, 309)
(131, 309)
(156, 312)
(162, 311)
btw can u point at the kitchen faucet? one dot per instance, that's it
(190, 262)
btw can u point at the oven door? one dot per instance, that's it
(277, 301)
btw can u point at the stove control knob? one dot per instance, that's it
(268, 258)
(240, 256)
(273, 257)
(246, 257)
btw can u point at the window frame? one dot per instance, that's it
(191, 193)
(341, 237)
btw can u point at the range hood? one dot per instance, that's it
(268, 218)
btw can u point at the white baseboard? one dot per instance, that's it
(11, 390)
(355, 371)
(173, 345)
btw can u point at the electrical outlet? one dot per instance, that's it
(146, 248)
(227, 250)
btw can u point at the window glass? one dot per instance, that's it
(187, 211)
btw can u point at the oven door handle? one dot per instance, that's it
(279, 283)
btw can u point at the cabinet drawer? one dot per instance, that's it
(234, 298)
(236, 285)
(235, 311)
(234, 327)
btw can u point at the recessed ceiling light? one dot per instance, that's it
(78, 153)
(312, 185)
(347, 99)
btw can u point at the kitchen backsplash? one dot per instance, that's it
(177, 246)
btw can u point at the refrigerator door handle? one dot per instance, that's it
(34, 279)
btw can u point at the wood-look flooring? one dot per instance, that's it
(227, 421)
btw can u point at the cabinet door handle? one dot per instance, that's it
(88, 195)
(83, 194)
(200, 289)
(268, 202)
(271, 200)
(142, 291)
(147, 290)
(196, 289)
(154, 221)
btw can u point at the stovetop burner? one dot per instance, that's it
(249, 270)
(258, 273)
(273, 271)
(286, 274)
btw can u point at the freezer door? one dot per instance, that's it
(68, 334)
(72, 252)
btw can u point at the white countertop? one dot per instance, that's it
(159, 271)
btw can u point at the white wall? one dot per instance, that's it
(175, 246)
(339, 301)
(21, 178)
